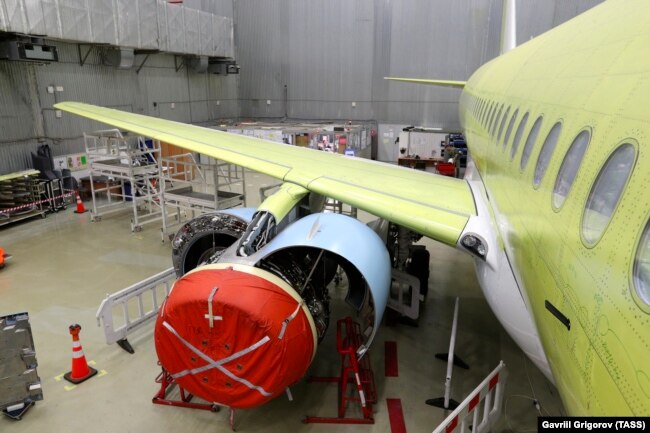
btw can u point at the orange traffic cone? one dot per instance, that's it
(80, 370)
(80, 206)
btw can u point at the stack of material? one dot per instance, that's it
(19, 195)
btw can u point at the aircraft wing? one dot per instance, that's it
(443, 83)
(435, 206)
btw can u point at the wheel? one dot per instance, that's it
(138, 229)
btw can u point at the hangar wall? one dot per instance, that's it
(330, 54)
(27, 116)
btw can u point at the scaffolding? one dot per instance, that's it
(127, 172)
(194, 188)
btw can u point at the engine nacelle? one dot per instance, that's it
(234, 335)
(240, 329)
(201, 238)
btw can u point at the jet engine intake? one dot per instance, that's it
(202, 239)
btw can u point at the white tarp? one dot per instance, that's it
(207, 40)
(34, 15)
(148, 24)
(163, 30)
(15, 16)
(128, 34)
(102, 20)
(175, 28)
(75, 20)
(51, 18)
(4, 23)
(192, 30)
(148, 27)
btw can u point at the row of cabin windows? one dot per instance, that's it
(605, 193)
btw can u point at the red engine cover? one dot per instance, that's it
(246, 358)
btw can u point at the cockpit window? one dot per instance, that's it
(518, 134)
(530, 141)
(606, 192)
(509, 129)
(546, 153)
(641, 271)
(569, 168)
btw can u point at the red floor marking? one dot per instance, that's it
(390, 348)
(395, 415)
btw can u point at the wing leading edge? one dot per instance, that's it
(436, 206)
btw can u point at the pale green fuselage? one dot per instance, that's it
(593, 74)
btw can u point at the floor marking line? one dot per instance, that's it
(395, 415)
(390, 359)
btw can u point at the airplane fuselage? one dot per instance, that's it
(571, 228)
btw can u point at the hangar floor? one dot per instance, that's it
(63, 266)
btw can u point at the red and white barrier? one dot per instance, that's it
(35, 203)
(481, 409)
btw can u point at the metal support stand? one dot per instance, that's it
(348, 341)
(447, 402)
(167, 383)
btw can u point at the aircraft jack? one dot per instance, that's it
(348, 341)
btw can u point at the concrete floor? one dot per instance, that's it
(64, 265)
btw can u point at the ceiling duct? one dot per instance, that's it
(27, 49)
(198, 65)
(121, 58)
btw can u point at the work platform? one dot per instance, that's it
(130, 166)
(193, 188)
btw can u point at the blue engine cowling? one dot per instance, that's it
(358, 246)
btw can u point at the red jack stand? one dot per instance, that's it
(167, 382)
(348, 341)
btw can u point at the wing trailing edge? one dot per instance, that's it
(443, 83)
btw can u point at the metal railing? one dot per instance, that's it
(482, 407)
(118, 304)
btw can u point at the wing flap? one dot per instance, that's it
(436, 206)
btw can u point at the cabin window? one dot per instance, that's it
(490, 119)
(486, 113)
(511, 124)
(569, 168)
(503, 123)
(493, 127)
(606, 192)
(641, 270)
(518, 134)
(546, 153)
(530, 141)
